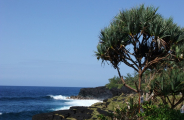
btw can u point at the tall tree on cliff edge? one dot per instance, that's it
(140, 38)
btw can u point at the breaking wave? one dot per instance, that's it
(58, 97)
(73, 102)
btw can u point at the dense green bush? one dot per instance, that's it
(114, 82)
(148, 112)
(162, 112)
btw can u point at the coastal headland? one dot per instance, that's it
(110, 98)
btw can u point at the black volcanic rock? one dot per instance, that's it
(103, 92)
(95, 93)
(76, 112)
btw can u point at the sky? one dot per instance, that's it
(52, 42)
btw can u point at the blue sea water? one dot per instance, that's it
(21, 103)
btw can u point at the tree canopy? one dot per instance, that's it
(141, 38)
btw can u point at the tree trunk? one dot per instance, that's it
(139, 88)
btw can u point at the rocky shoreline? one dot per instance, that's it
(81, 112)
(79, 98)
(75, 112)
(100, 93)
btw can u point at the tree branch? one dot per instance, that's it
(124, 81)
(169, 100)
(156, 60)
(127, 85)
(129, 58)
(181, 100)
(130, 65)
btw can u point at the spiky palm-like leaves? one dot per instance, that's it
(140, 33)
(169, 83)
(140, 38)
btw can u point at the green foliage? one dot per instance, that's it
(143, 40)
(149, 111)
(163, 112)
(139, 33)
(169, 83)
(124, 113)
(102, 117)
(114, 82)
(140, 38)
(130, 79)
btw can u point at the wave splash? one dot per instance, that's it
(73, 102)
(81, 102)
(58, 97)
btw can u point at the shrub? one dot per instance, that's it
(161, 112)
(114, 82)
(148, 112)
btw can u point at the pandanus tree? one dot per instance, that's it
(139, 38)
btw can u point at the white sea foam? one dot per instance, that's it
(72, 102)
(62, 108)
(81, 102)
(58, 97)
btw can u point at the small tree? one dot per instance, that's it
(140, 38)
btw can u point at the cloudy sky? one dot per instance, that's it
(52, 42)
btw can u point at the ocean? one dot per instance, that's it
(22, 102)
